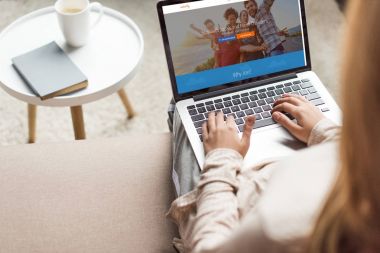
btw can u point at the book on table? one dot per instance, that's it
(49, 72)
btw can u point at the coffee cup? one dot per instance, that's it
(74, 20)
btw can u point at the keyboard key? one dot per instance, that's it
(266, 115)
(249, 112)
(193, 112)
(303, 92)
(209, 102)
(312, 90)
(262, 95)
(200, 105)
(245, 94)
(240, 114)
(317, 102)
(296, 87)
(297, 82)
(258, 110)
(226, 98)
(271, 93)
(218, 100)
(276, 98)
(313, 96)
(254, 98)
(261, 102)
(295, 93)
(269, 100)
(235, 96)
(198, 117)
(241, 128)
(287, 89)
(279, 92)
(219, 106)
(227, 104)
(264, 122)
(201, 110)
(306, 85)
(252, 104)
(325, 109)
(288, 84)
(226, 110)
(262, 90)
(201, 138)
(236, 101)
(279, 86)
(191, 107)
(198, 123)
(239, 121)
(253, 92)
(267, 108)
(199, 130)
(270, 88)
(235, 108)
(245, 100)
(258, 117)
(244, 106)
(210, 108)
(305, 80)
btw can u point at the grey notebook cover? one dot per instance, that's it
(48, 70)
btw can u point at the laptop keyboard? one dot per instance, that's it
(257, 102)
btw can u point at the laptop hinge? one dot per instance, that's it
(244, 87)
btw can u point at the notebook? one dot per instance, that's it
(49, 72)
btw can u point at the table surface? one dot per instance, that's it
(109, 60)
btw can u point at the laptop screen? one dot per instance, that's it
(216, 42)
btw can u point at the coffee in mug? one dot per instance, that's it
(74, 20)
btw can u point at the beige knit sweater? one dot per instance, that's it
(270, 207)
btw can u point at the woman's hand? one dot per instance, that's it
(306, 114)
(218, 133)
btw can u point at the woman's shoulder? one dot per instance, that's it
(296, 192)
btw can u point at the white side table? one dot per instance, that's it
(109, 61)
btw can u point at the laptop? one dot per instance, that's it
(238, 57)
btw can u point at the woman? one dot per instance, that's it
(324, 199)
(230, 50)
(252, 48)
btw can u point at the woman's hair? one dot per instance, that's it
(208, 21)
(350, 219)
(230, 11)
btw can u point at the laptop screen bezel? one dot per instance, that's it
(177, 96)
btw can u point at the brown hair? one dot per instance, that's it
(230, 11)
(208, 21)
(253, 1)
(350, 219)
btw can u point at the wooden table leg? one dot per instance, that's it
(124, 98)
(78, 122)
(32, 115)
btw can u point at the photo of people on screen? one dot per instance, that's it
(230, 34)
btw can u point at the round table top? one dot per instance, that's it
(109, 60)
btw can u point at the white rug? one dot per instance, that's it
(150, 90)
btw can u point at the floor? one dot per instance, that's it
(150, 90)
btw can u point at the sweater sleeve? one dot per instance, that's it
(325, 130)
(217, 207)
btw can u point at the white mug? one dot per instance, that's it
(74, 20)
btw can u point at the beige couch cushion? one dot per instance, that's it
(87, 196)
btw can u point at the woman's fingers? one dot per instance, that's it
(286, 107)
(283, 120)
(220, 120)
(211, 122)
(230, 122)
(204, 131)
(246, 137)
(288, 99)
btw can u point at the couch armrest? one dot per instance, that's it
(87, 196)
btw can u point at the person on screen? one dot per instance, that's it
(212, 34)
(230, 50)
(266, 25)
(323, 199)
(253, 47)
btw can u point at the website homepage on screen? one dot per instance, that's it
(215, 42)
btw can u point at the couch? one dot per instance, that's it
(87, 196)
